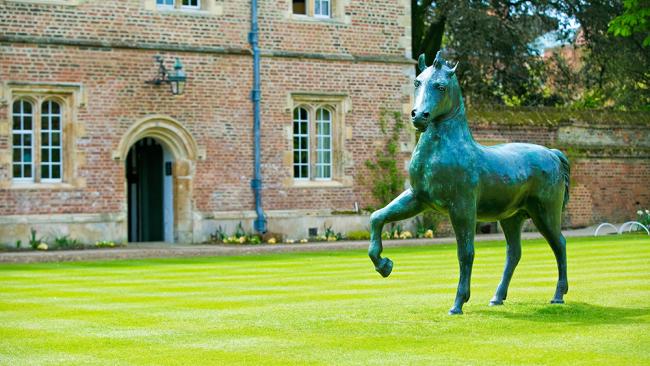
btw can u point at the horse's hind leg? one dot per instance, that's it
(402, 207)
(512, 230)
(548, 221)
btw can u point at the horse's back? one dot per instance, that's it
(514, 174)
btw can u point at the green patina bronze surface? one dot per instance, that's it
(453, 174)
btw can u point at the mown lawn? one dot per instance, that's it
(331, 309)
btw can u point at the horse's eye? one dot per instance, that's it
(416, 83)
(441, 88)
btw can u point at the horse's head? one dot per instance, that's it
(436, 91)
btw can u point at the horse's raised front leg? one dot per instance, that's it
(463, 220)
(402, 207)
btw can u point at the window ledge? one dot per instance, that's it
(317, 184)
(17, 185)
(299, 18)
(210, 8)
(48, 2)
(191, 12)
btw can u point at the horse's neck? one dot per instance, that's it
(451, 129)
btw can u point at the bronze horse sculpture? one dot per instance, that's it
(453, 174)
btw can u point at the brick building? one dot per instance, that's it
(88, 148)
(82, 134)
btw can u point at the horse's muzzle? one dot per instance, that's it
(420, 120)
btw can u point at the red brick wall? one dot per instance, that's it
(373, 28)
(217, 111)
(608, 190)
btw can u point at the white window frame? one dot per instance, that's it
(301, 148)
(191, 7)
(165, 5)
(329, 9)
(177, 5)
(320, 138)
(23, 132)
(338, 104)
(50, 147)
(36, 133)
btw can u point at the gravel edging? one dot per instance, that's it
(165, 250)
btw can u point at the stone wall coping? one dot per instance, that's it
(176, 47)
(272, 214)
(554, 117)
(63, 218)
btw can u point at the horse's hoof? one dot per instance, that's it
(496, 302)
(385, 267)
(455, 311)
(557, 301)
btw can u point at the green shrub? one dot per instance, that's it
(358, 235)
(34, 242)
(65, 242)
(428, 220)
(332, 235)
(105, 244)
(219, 235)
(643, 216)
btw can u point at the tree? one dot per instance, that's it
(635, 19)
(493, 40)
(616, 70)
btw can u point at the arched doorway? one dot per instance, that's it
(140, 151)
(150, 193)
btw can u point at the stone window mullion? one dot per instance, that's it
(37, 140)
(312, 142)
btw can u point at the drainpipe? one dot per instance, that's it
(256, 183)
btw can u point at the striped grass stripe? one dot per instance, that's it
(331, 309)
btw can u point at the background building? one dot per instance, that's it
(88, 148)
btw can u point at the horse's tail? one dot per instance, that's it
(565, 170)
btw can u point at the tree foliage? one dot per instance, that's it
(635, 19)
(615, 71)
(496, 44)
(492, 40)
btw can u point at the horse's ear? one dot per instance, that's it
(438, 61)
(422, 62)
(452, 70)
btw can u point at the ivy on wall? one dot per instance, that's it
(385, 178)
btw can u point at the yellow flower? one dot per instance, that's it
(271, 241)
(428, 234)
(331, 238)
(242, 240)
(42, 246)
(289, 241)
(303, 241)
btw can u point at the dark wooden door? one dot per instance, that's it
(145, 182)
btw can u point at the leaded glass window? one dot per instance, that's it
(22, 140)
(51, 141)
(322, 8)
(194, 4)
(300, 143)
(323, 144)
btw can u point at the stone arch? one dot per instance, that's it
(165, 129)
(185, 151)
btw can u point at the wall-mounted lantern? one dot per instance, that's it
(176, 79)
